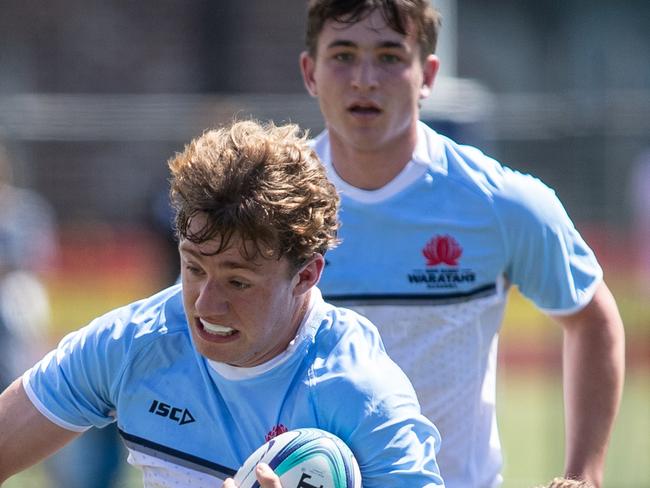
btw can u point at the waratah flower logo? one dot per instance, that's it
(442, 250)
(275, 431)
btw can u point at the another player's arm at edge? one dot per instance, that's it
(26, 435)
(593, 371)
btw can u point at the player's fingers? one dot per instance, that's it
(266, 476)
(229, 483)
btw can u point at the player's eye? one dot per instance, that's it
(343, 56)
(194, 270)
(191, 267)
(240, 285)
(389, 58)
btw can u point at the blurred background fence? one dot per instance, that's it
(95, 96)
(586, 149)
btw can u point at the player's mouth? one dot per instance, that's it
(215, 332)
(364, 109)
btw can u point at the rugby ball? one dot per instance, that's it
(307, 457)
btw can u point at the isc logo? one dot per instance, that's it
(180, 415)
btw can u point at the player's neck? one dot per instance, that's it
(370, 169)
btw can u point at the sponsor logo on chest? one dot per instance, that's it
(181, 416)
(442, 265)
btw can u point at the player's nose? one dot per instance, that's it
(212, 300)
(364, 75)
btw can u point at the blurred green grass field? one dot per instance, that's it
(530, 421)
(112, 273)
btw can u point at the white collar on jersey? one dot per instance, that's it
(306, 331)
(428, 154)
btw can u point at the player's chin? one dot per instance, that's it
(215, 349)
(216, 352)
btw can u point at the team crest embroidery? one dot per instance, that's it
(442, 270)
(275, 431)
(442, 250)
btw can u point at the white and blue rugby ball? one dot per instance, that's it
(304, 458)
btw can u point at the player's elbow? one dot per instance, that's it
(600, 319)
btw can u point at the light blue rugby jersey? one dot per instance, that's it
(185, 419)
(429, 258)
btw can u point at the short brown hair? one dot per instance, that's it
(260, 182)
(396, 13)
(568, 483)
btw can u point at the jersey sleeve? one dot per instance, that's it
(547, 258)
(74, 385)
(373, 407)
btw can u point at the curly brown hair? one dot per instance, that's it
(396, 13)
(259, 182)
(568, 483)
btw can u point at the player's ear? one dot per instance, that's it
(308, 275)
(307, 68)
(430, 68)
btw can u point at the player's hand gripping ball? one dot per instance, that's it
(304, 458)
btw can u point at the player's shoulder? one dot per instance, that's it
(350, 363)
(505, 189)
(321, 146)
(319, 143)
(137, 324)
(349, 349)
(345, 329)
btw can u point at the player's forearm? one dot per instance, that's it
(594, 366)
(26, 436)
